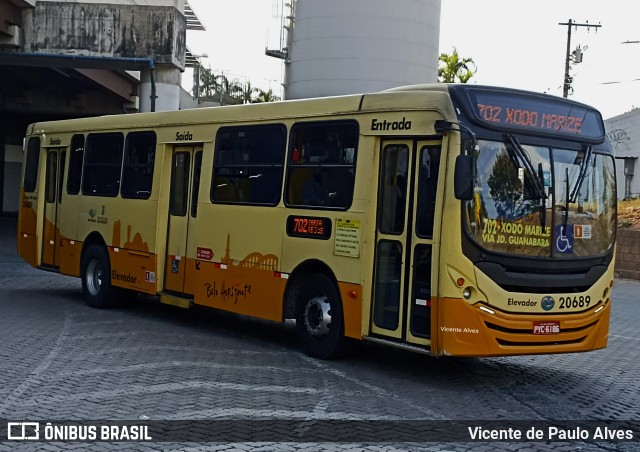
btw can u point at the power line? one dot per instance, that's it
(620, 81)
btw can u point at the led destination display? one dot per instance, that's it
(309, 227)
(529, 112)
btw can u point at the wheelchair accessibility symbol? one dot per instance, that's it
(564, 238)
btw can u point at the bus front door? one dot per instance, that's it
(183, 204)
(405, 262)
(54, 174)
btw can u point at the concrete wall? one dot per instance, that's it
(628, 254)
(34, 89)
(11, 178)
(108, 30)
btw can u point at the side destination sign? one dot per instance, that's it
(309, 227)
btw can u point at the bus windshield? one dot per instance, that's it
(540, 201)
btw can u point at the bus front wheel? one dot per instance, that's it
(96, 277)
(319, 321)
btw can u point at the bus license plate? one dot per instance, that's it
(546, 327)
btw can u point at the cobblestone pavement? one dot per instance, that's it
(62, 360)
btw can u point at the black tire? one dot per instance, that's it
(319, 318)
(95, 273)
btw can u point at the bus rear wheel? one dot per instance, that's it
(319, 320)
(95, 274)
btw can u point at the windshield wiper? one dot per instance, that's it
(543, 212)
(567, 200)
(581, 176)
(535, 180)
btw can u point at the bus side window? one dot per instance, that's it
(248, 165)
(75, 164)
(137, 168)
(31, 164)
(321, 166)
(102, 164)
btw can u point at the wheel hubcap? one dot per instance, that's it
(94, 277)
(317, 316)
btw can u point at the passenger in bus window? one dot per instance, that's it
(314, 192)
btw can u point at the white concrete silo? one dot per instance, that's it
(355, 46)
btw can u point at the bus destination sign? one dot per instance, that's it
(309, 227)
(528, 112)
(529, 118)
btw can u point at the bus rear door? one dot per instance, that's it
(183, 203)
(54, 174)
(405, 263)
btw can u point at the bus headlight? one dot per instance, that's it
(466, 293)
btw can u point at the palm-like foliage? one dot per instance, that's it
(266, 96)
(248, 93)
(208, 83)
(454, 67)
(218, 88)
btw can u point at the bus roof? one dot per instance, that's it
(422, 97)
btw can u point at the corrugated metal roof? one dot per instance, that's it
(190, 59)
(193, 22)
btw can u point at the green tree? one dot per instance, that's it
(218, 88)
(266, 96)
(505, 186)
(452, 68)
(248, 93)
(235, 92)
(208, 84)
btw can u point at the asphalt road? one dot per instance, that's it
(61, 360)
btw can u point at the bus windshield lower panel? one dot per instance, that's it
(542, 202)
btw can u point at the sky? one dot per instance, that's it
(513, 43)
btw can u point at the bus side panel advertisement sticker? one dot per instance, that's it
(347, 239)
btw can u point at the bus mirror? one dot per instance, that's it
(463, 178)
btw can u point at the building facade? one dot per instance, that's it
(624, 133)
(66, 59)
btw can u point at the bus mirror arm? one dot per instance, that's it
(463, 177)
(442, 127)
(464, 170)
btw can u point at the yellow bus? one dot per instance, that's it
(458, 220)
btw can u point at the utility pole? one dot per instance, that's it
(567, 78)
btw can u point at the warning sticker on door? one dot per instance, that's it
(582, 231)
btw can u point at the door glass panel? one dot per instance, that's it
(393, 189)
(63, 159)
(180, 184)
(52, 174)
(387, 287)
(428, 165)
(197, 166)
(421, 299)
